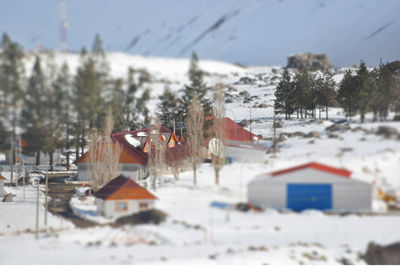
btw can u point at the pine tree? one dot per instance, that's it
(62, 103)
(89, 104)
(34, 113)
(196, 85)
(284, 95)
(365, 84)
(12, 83)
(134, 114)
(53, 139)
(348, 94)
(168, 108)
(326, 93)
(302, 85)
(386, 85)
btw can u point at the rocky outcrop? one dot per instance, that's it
(310, 60)
(386, 255)
(387, 131)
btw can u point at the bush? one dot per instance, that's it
(144, 217)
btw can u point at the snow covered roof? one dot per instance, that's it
(133, 143)
(2, 177)
(123, 188)
(318, 166)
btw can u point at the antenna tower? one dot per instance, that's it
(63, 25)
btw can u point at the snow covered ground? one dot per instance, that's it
(196, 233)
(20, 214)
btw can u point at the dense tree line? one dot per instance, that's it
(174, 108)
(305, 94)
(57, 108)
(375, 91)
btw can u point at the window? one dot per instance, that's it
(121, 206)
(143, 205)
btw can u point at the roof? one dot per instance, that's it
(234, 131)
(2, 177)
(123, 188)
(318, 166)
(134, 154)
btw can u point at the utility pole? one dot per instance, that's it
(274, 141)
(46, 202)
(250, 121)
(37, 210)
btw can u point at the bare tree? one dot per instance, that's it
(156, 161)
(103, 155)
(194, 129)
(216, 144)
(176, 158)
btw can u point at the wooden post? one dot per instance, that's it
(250, 122)
(37, 211)
(24, 184)
(274, 127)
(46, 202)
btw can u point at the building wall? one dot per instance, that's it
(134, 171)
(108, 207)
(2, 192)
(347, 194)
(244, 154)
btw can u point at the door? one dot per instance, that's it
(309, 196)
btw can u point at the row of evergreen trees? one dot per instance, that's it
(375, 91)
(56, 109)
(364, 91)
(305, 93)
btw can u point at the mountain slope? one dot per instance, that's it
(254, 32)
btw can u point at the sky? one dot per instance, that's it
(252, 32)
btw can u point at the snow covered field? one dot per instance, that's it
(196, 233)
(20, 214)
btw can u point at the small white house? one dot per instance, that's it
(310, 186)
(122, 197)
(2, 191)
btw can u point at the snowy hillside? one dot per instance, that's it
(251, 32)
(195, 232)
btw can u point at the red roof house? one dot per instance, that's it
(310, 186)
(314, 165)
(134, 156)
(235, 132)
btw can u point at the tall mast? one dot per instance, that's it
(63, 25)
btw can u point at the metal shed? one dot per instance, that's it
(310, 186)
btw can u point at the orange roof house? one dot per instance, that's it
(123, 188)
(122, 197)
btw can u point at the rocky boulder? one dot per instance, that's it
(313, 134)
(310, 60)
(386, 255)
(8, 197)
(387, 131)
(338, 127)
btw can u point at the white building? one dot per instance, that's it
(2, 192)
(122, 197)
(310, 186)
